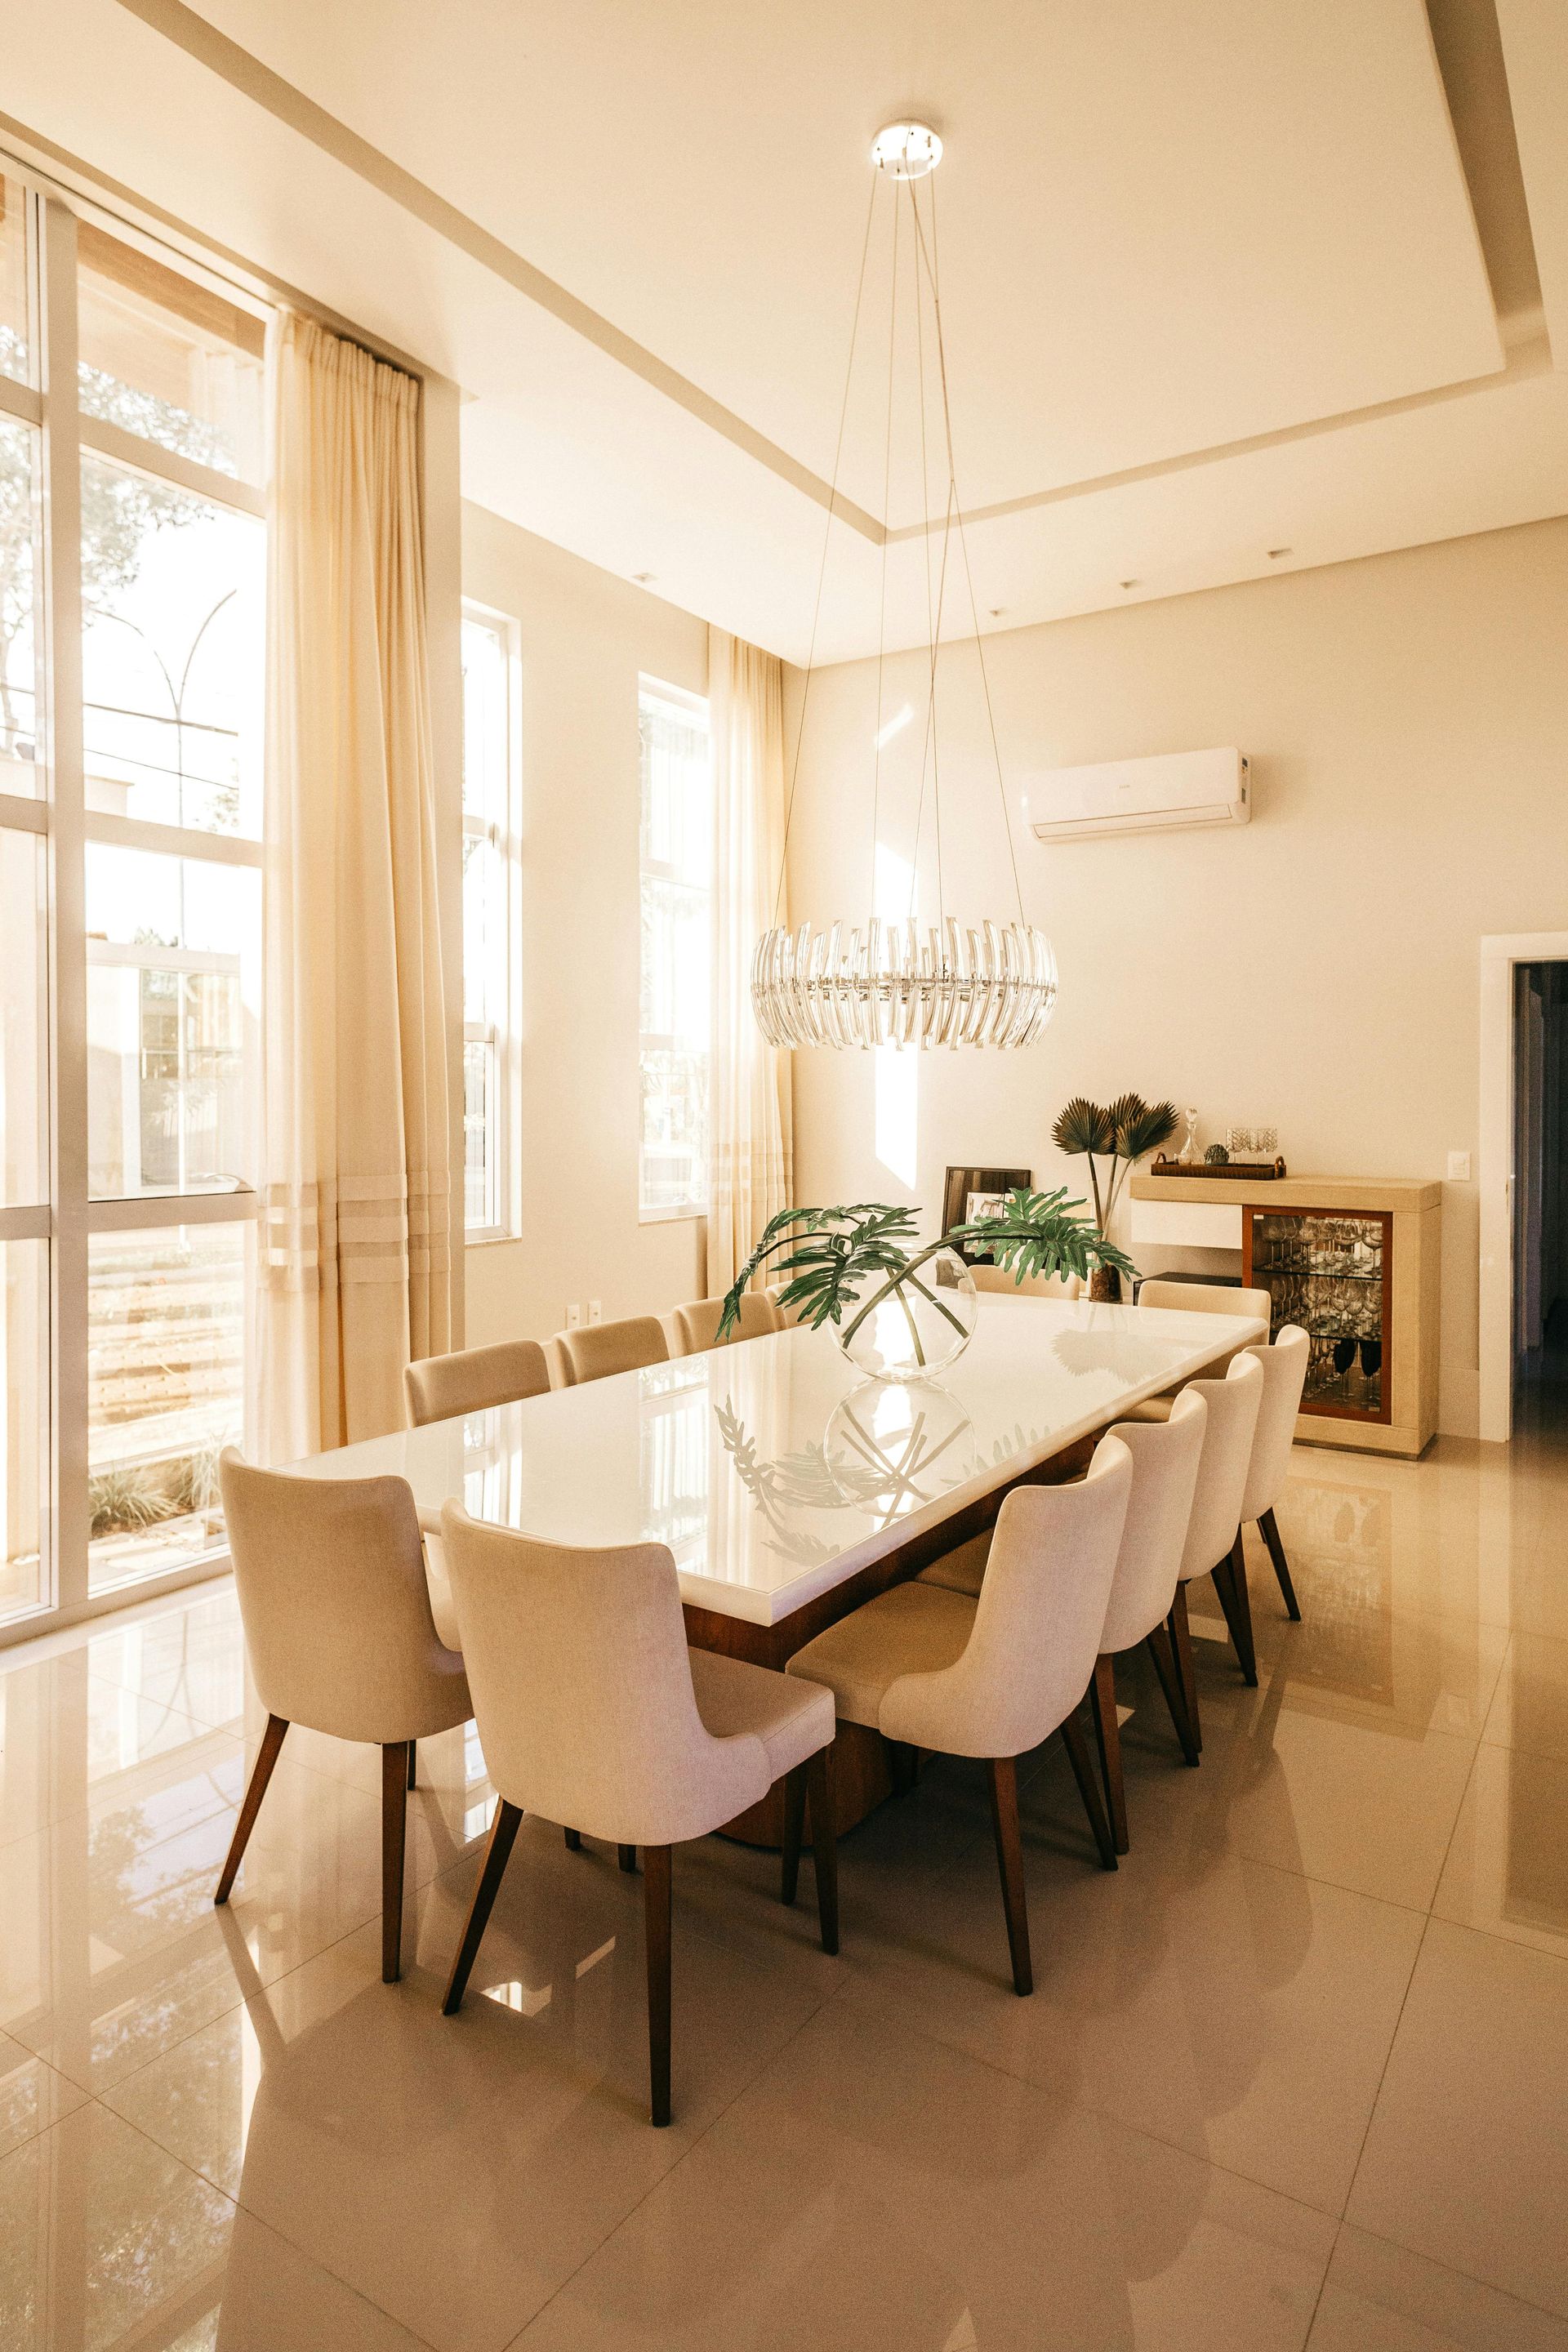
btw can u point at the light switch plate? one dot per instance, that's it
(574, 1317)
(1459, 1167)
(596, 1310)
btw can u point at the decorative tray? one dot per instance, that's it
(1240, 1171)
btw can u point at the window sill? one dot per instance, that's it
(488, 1240)
(670, 1216)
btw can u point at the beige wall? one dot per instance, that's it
(584, 637)
(1408, 720)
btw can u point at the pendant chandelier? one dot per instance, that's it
(890, 981)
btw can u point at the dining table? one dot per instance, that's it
(789, 1488)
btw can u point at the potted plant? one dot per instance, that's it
(1123, 1132)
(921, 1303)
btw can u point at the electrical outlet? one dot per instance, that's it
(596, 1310)
(573, 1316)
(1459, 1167)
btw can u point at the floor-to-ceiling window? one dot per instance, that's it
(131, 639)
(677, 950)
(490, 924)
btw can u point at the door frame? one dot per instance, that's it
(1501, 953)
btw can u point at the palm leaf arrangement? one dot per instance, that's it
(836, 1255)
(1123, 1132)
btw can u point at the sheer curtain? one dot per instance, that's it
(356, 1264)
(751, 1144)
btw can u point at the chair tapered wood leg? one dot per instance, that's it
(498, 1854)
(1181, 1651)
(825, 1843)
(904, 1761)
(394, 1839)
(1240, 1613)
(1003, 1775)
(628, 1857)
(793, 1831)
(1170, 1675)
(573, 1840)
(413, 1760)
(1079, 1756)
(1269, 1528)
(254, 1790)
(656, 1912)
(1108, 1738)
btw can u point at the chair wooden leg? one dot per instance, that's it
(1079, 1757)
(394, 1839)
(825, 1844)
(413, 1760)
(573, 1840)
(255, 1789)
(498, 1854)
(1170, 1675)
(656, 1912)
(1269, 1528)
(904, 1761)
(793, 1831)
(1108, 1737)
(1230, 1583)
(1181, 1651)
(1004, 1773)
(626, 1855)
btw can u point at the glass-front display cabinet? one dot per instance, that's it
(1332, 1273)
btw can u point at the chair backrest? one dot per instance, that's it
(1165, 1456)
(1205, 1298)
(474, 1379)
(581, 1687)
(1034, 1286)
(595, 1350)
(785, 1318)
(1037, 1622)
(697, 1324)
(1284, 1377)
(1233, 1404)
(331, 1577)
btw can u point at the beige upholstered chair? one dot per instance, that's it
(1204, 1298)
(474, 1379)
(593, 1710)
(594, 1350)
(785, 1317)
(340, 1638)
(1284, 1377)
(697, 1325)
(1214, 1529)
(1034, 1286)
(993, 1676)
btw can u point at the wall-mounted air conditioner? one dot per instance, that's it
(1179, 788)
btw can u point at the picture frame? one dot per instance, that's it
(963, 1189)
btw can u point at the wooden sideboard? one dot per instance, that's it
(1355, 1261)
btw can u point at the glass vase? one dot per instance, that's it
(924, 1323)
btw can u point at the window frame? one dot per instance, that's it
(681, 699)
(504, 1036)
(66, 1218)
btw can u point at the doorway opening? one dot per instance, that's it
(1540, 1200)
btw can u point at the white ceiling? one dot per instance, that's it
(1184, 253)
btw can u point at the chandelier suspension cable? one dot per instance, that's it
(933, 620)
(827, 540)
(882, 603)
(954, 504)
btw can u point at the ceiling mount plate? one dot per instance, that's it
(905, 151)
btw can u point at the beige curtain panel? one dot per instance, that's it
(751, 1149)
(356, 1260)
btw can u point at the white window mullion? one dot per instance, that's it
(60, 638)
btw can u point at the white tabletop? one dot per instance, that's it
(770, 1468)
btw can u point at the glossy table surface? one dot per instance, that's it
(771, 1469)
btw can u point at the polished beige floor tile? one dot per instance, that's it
(455, 2170)
(32, 2096)
(1466, 2158)
(272, 2298)
(1379, 2298)
(185, 1654)
(1507, 1866)
(1241, 2013)
(68, 1741)
(104, 2239)
(114, 1950)
(1529, 1709)
(874, 2189)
